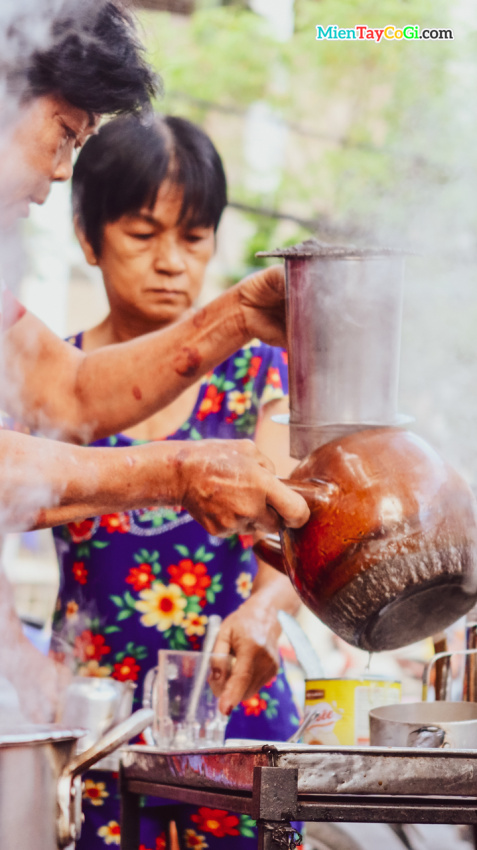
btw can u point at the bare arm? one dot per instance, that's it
(54, 388)
(226, 485)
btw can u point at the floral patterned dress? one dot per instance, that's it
(136, 582)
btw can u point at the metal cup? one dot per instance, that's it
(425, 724)
(96, 705)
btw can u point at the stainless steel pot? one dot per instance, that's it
(40, 781)
(425, 724)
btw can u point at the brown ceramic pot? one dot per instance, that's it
(389, 554)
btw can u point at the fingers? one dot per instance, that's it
(267, 282)
(231, 488)
(275, 276)
(220, 663)
(289, 505)
(237, 686)
(249, 675)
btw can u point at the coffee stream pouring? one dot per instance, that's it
(389, 554)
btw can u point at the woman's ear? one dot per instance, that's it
(88, 252)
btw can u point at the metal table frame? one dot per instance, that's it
(277, 784)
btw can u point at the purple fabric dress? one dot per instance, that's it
(137, 582)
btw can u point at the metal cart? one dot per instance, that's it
(279, 783)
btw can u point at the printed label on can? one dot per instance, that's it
(344, 706)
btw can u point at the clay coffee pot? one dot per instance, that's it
(389, 554)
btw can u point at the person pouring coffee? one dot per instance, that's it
(92, 64)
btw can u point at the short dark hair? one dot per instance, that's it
(89, 54)
(121, 168)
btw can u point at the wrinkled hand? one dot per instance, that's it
(251, 634)
(262, 302)
(229, 487)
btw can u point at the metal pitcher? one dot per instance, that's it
(96, 705)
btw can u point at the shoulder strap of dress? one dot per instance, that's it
(76, 340)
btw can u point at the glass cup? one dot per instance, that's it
(184, 691)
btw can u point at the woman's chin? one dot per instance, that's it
(164, 315)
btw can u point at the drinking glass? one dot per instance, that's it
(184, 691)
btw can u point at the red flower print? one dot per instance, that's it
(80, 531)
(192, 578)
(273, 377)
(90, 647)
(140, 577)
(80, 572)
(216, 821)
(253, 368)
(285, 357)
(247, 540)
(116, 522)
(126, 670)
(254, 706)
(161, 842)
(211, 403)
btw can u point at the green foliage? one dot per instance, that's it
(211, 59)
(361, 116)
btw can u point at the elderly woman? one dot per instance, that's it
(147, 201)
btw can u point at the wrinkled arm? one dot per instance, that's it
(227, 485)
(54, 388)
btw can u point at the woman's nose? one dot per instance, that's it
(64, 168)
(169, 257)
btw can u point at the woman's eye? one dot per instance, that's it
(142, 236)
(70, 135)
(194, 237)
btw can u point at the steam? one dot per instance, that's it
(25, 27)
(432, 211)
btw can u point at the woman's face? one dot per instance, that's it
(153, 267)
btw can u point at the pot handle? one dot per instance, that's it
(428, 736)
(68, 824)
(110, 741)
(269, 549)
(317, 494)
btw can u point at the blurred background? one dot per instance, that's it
(348, 141)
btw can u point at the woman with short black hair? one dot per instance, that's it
(148, 198)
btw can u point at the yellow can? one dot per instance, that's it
(345, 705)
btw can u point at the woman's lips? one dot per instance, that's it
(173, 293)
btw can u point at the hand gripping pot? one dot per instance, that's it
(389, 554)
(40, 780)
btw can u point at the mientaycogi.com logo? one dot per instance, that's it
(391, 33)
